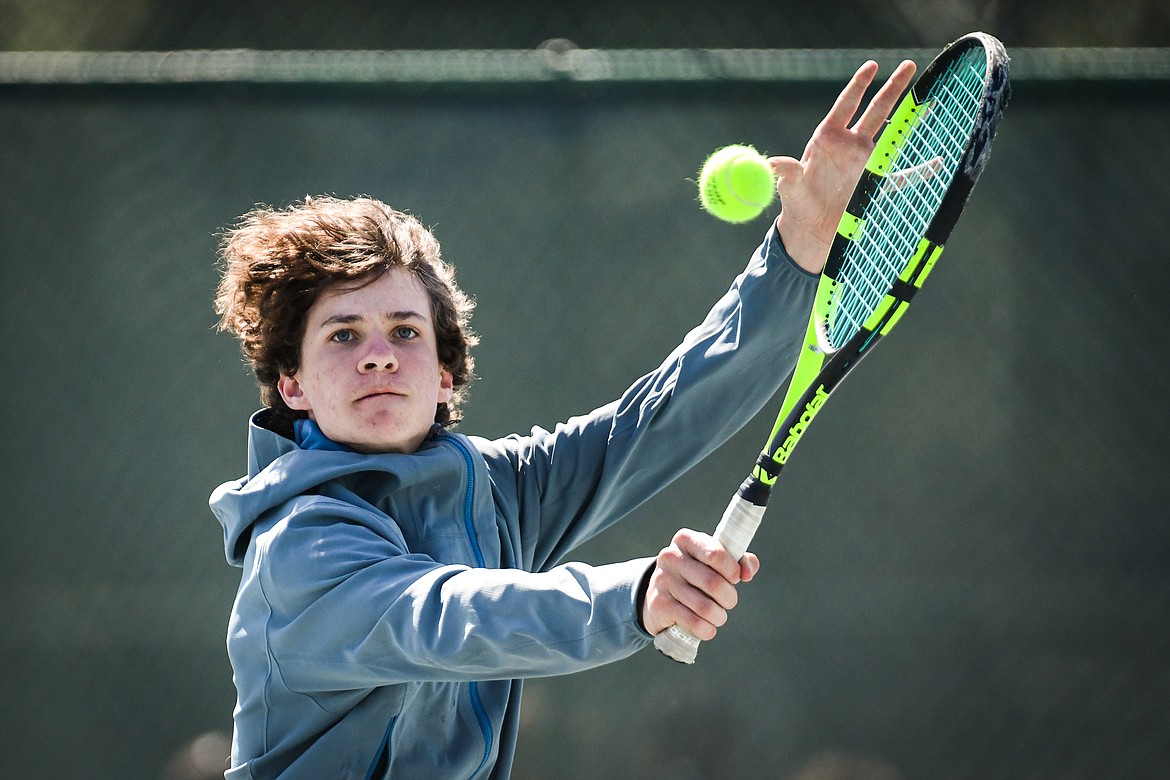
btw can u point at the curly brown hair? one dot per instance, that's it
(276, 262)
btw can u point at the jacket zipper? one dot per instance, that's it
(382, 760)
(468, 500)
(485, 723)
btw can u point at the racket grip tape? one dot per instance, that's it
(735, 531)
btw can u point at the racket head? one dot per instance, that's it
(914, 187)
(898, 219)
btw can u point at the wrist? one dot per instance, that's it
(640, 598)
(806, 249)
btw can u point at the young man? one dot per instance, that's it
(399, 579)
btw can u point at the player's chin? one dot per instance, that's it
(391, 435)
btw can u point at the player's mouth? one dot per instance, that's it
(378, 394)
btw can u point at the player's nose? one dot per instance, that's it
(378, 356)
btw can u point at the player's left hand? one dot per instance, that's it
(815, 189)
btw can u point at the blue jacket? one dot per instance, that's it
(390, 605)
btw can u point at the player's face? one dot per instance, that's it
(370, 374)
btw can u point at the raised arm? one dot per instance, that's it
(571, 483)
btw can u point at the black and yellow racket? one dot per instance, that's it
(913, 189)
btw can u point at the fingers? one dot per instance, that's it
(878, 110)
(704, 558)
(691, 609)
(850, 98)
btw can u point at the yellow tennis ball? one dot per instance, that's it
(736, 183)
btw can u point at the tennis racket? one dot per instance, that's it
(914, 187)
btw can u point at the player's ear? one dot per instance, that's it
(293, 393)
(446, 386)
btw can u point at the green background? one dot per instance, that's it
(966, 567)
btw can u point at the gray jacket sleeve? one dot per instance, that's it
(567, 485)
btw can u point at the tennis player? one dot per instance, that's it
(400, 579)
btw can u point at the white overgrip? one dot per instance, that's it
(736, 528)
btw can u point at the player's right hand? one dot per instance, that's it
(694, 585)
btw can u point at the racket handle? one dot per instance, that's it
(735, 531)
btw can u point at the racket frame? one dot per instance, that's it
(820, 369)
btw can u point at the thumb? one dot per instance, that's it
(788, 170)
(749, 567)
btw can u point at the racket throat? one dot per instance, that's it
(757, 488)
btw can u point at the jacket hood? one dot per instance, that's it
(279, 471)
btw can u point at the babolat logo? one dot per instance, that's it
(797, 430)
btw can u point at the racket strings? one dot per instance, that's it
(906, 201)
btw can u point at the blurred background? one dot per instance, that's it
(966, 568)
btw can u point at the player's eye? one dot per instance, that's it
(405, 332)
(342, 336)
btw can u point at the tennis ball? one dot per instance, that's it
(736, 183)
